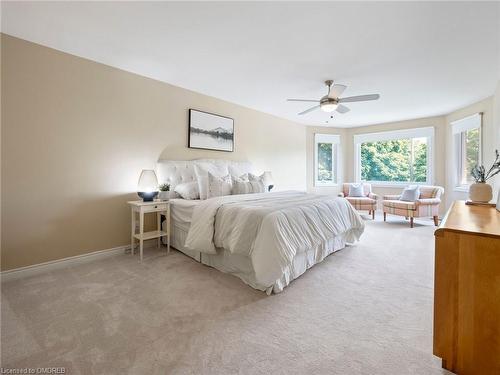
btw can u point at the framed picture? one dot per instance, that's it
(208, 131)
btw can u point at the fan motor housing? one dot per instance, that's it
(327, 100)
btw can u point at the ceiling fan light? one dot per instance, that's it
(329, 107)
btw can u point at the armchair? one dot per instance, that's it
(366, 203)
(426, 205)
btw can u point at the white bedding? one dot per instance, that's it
(271, 228)
(181, 212)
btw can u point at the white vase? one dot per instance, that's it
(164, 195)
(480, 192)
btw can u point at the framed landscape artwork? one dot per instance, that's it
(210, 132)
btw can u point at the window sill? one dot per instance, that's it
(461, 189)
(394, 184)
(316, 185)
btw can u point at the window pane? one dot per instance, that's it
(386, 160)
(419, 160)
(325, 162)
(401, 160)
(472, 153)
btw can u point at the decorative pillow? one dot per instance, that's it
(356, 190)
(241, 186)
(410, 194)
(188, 190)
(266, 178)
(201, 170)
(219, 186)
(243, 177)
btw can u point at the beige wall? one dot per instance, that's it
(76, 134)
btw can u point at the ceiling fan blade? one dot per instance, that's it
(303, 100)
(342, 109)
(337, 90)
(309, 110)
(359, 98)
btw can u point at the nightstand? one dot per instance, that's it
(140, 208)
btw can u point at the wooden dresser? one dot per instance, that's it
(467, 290)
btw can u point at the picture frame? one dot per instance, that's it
(209, 131)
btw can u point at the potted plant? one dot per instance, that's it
(164, 191)
(480, 191)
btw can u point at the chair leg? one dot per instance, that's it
(436, 221)
(373, 214)
(385, 216)
(411, 222)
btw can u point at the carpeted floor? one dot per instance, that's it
(365, 310)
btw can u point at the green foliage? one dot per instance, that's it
(402, 160)
(164, 187)
(471, 151)
(325, 162)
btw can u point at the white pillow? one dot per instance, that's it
(243, 177)
(188, 190)
(201, 170)
(219, 186)
(410, 194)
(241, 186)
(356, 190)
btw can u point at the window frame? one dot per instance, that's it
(458, 128)
(334, 139)
(424, 132)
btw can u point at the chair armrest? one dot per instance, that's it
(391, 197)
(373, 196)
(428, 201)
(341, 195)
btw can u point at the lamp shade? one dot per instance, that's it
(147, 187)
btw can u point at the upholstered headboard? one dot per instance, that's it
(176, 172)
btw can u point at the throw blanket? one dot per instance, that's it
(271, 228)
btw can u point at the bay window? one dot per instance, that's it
(395, 158)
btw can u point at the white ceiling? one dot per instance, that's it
(424, 59)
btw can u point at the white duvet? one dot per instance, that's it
(271, 228)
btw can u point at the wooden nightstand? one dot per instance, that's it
(141, 208)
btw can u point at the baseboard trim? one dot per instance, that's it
(35, 269)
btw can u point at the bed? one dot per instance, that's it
(266, 239)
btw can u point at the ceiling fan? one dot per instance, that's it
(331, 101)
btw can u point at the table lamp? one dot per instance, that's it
(147, 188)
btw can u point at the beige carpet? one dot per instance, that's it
(365, 310)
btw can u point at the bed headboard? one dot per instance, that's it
(175, 172)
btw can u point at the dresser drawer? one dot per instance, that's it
(155, 207)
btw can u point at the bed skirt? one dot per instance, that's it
(241, 266)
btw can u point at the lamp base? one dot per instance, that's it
(147, 196)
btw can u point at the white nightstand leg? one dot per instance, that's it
(158, 227)
(141, 231)
(132, 242)
(168, 229)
